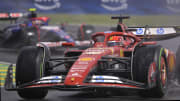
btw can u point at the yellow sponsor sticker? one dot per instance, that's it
(112, 51)
(86, 59)
(171, 63)
(121, 53)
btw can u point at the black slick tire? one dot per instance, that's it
(30, 66)
(148, 58)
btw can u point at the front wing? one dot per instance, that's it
(56, 82)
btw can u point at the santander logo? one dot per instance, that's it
(47, 4)
(114, 5)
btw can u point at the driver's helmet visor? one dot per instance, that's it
(115, 43)
(115, 40)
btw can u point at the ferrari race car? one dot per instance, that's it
(30, 29)
(118, 60)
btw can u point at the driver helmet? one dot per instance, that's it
(32, 13)
(115, 40)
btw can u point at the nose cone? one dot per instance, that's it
(73, 80)
(81, 68)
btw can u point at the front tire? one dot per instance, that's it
(30, 66)
(151, 69)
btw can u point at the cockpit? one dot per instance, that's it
(119, 40)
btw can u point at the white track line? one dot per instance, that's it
(7, 63)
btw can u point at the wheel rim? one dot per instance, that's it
(151, 75)
(163, 72)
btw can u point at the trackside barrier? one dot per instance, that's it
(3, 70)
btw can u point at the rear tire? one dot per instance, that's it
(177, 69)
(85, 32)
(1, 37)
(30, 66)
(151, 69)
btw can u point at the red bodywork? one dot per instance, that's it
(44, 19)
(116, 59)
(89, 58)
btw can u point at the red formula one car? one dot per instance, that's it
(118, 60)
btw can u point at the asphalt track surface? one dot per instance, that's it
(55, 95)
